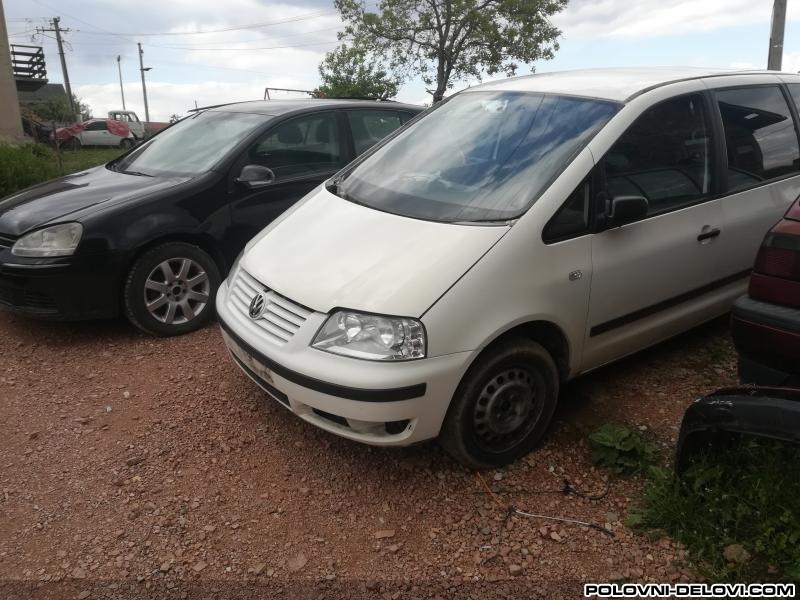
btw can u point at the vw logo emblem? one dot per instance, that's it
(257, 305)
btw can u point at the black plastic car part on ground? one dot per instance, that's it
(242, 166)
(718, 418)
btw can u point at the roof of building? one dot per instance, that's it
(618, 84)
(44, 93)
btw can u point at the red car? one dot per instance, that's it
(766, 322)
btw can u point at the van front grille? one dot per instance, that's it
(281, 318)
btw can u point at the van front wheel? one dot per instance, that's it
(502, 407)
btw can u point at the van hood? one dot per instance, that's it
(329, 252)
(60, 199)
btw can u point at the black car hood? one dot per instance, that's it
(59, 199)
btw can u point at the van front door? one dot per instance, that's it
(652, 278)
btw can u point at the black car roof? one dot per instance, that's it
(282, 107)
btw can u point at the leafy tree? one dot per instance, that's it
(449, 40)
(57, 109)
(350, 72)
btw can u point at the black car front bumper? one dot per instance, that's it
(71, 288)
(760, 411)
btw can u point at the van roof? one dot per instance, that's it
(620, 84)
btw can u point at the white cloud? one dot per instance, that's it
(647, 18)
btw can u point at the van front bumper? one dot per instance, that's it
(378, 403)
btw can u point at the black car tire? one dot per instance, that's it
(126, 144)
(74, 144)
(515, 383)
(149, 283)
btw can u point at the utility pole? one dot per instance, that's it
(144, 87)
(775, 56)
(55, 24)
(121, 89)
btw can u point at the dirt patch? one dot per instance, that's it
(131, 463)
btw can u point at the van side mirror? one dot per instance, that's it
(627, 209)
(255, 176)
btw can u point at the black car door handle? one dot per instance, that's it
(708, 235)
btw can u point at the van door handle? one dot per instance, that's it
(708, 234)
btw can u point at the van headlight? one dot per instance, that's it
(371, 337)
(56, 240)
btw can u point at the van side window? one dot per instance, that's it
(664, 156)
(572, 219)
(759, 135)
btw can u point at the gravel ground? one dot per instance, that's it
(132, 466)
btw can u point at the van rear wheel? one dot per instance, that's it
(502, 407)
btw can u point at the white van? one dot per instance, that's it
(517, 235)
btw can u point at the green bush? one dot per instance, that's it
(618, 448)
(737, 510)
(24, 165)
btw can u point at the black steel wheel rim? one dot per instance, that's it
(508, 408)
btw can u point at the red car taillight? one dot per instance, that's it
(776, 276)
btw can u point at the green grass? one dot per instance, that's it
(744, 495)
(621, 449)
(23, 165)
(77, 160)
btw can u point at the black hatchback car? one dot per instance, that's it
(152, 233)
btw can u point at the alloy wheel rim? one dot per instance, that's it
(507, 410)
(176, 291)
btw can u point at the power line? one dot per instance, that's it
(226, 29)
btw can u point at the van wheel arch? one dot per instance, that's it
(546, 333)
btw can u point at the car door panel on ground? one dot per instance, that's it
(640, 269)
(761, 145)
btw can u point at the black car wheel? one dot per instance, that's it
(502, 407)
(126, 144)
(171, 289)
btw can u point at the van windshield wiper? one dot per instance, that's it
(137, 173)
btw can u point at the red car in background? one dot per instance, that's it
(766, 322)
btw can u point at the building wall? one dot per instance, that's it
(10, 120)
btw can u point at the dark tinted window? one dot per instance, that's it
(572, 219)
(480, 156)
(96, 126)
(759, 135)
(371, 126)
(306, 145)
(664, 156)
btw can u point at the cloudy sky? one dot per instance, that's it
(213, 51)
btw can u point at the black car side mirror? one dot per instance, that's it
(255, 176)
(627, 209)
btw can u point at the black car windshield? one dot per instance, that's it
(192, 146)
(480, 156)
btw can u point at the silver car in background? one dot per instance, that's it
(517, 235)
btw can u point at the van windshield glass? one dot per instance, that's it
(192, 146)
(481, 156)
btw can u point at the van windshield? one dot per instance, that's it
(192, 146)
(480, 156)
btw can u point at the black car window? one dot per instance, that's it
(759, 135)
(572, 219)
(371, 126)
(664, 156)
(96, 126)
(306, 145)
